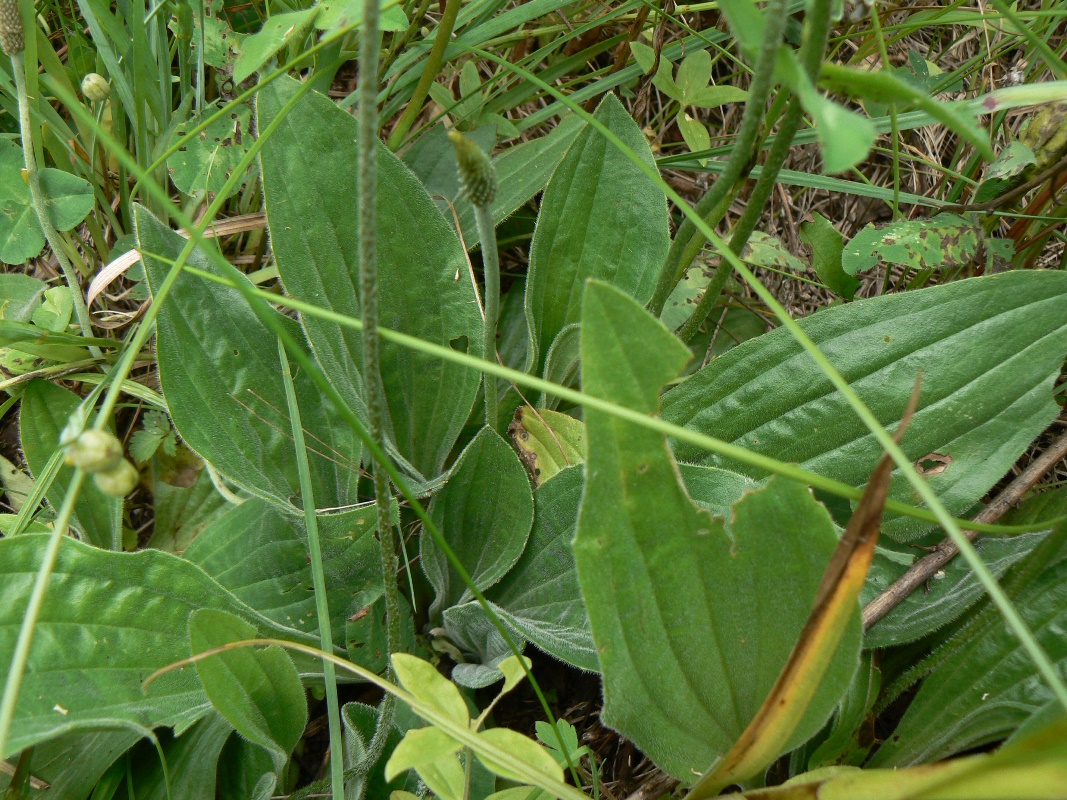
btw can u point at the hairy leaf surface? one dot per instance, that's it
(692, 624)
(989, 350)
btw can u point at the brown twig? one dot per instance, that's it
(925, 568)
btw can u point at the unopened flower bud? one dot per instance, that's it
(476, 173)
(95, 451)
(120, 481)
(95, 87)
(12, 39)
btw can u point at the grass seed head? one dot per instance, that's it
(476, 173)
(12, 38)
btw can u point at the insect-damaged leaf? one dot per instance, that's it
(942, 242)
(692, 625)
(835, 610)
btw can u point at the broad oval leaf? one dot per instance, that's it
(219, 370)
(601, 217)
(484, 512)
(692, 624)
(430, 687)
(309, 178)
(989, 350)
(257, 690)
(109, 621)
(43, 414)
(261, 556)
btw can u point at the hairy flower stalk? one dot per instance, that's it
(369, 46)
(13, 41)
(478, 179)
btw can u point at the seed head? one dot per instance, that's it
(120, 481)
(476, 173)
(95, 87)
(12, 39)
(95, 451)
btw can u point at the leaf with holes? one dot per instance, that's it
(205, 161)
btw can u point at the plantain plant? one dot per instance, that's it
(557, 468)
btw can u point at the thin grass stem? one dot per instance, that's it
(318, 581)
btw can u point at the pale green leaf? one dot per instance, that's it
(418, 748)
(277, 31)
(423, 680)
(522, 748)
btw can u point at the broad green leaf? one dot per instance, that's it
(192, 763)
(696, 136)
(20, 296)
(309, 175)
(522, 748)
(422, 679)
(418, 748)
(43, 414)
(989, 348)
(827, 245)
(540, 597)
(444, 778)
(338, 14)
(601, 217)
(686, 665)
(55, 310)
(693, 75)
(73, 764)
(261, 556)
(204, 162)
(548, 442)
(220, 43)
(277, 31)
(828, 623)
(182, 512)
(484, 512)
(68, 200)
(983, 684)
(109, 621)
(522, 171)
(257, 690)
(513, 672)
(219, 370)
(765, 250)
(947, 241)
